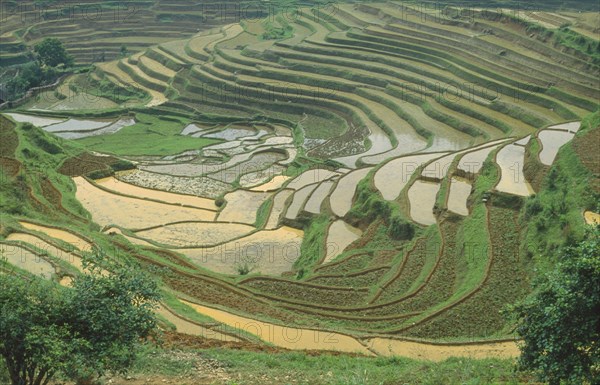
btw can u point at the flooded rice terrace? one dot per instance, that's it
(219, 203)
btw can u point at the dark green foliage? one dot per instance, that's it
(401, 229)
(47, 331)
(121, 165)
(99, 174)
(560, 323)
(52, 53)
(28, 76)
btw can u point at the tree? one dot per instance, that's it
(560, 323)
(49, 332)
(51, 53)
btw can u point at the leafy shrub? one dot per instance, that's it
(121, 165)
(99, 174)
(400, 229)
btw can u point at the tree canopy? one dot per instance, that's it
(560, 323)
(52, 332)
(51, 52)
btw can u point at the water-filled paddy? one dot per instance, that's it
(38, 121)
(571, 127)
(473, 161)
(106, 130)
(313, 204)
(552, 141)
(52, 250)
(285, 336)
(116, 185)
(278, 207)
(26, 260)
(242, 206)
(275, 183)
(394, 175)
(341, 197)
(77, 125)
(72, 239)
(298, 200)
(511, 159)
(421, 196)
(266, 252)
(339, 236)
(311, 176)
(195, 234)
(460, 190)
(187, 327)
(107, 209)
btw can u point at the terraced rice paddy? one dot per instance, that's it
(421, 196)
(472, 162)
(45, 247)
(511, 159)
(270, 252)
(343, 194)
(25, 259)
(38, 121)
(241, 206)
(124, 188)
(339, 236)
(457, 197)
(286, 337)
(195, 234)
(334, 153)
(313, 204)
(551, 142)
(111, 209)
(391, 179)
(105, 130)
(65, 236)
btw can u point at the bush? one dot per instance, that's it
(99, 174)
(399, 229)
(51, 332)
(121, 165)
